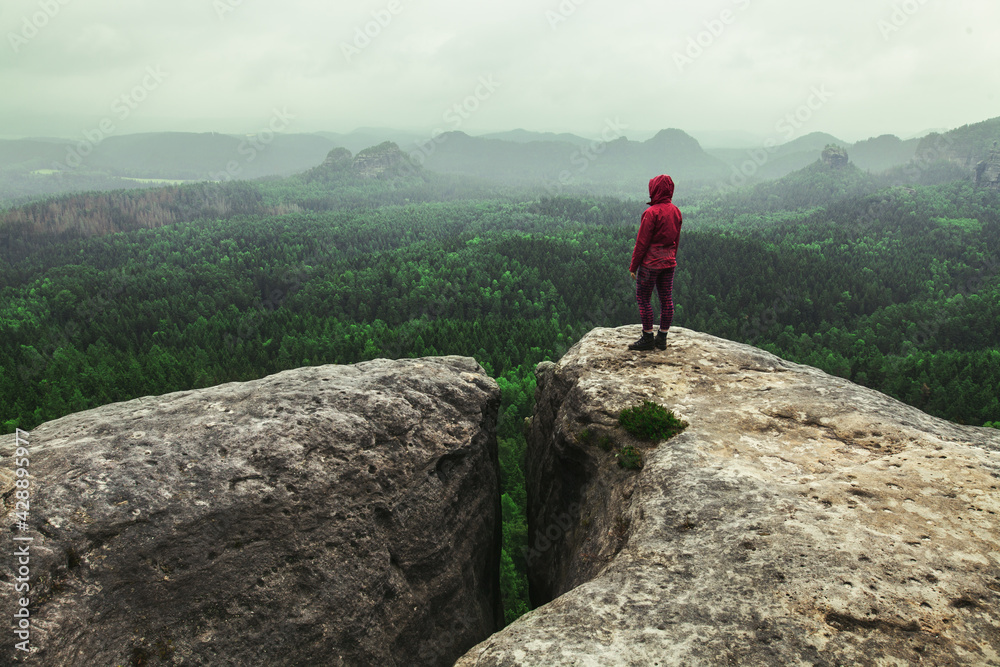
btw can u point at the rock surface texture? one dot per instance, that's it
(799, 520)
(835, 156)
(337, 160)
(333, 515)
(988, 171)
(386, 158)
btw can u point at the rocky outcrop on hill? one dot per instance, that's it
(337, 160)
(835, 156)
(331, 515)
(382, 161)
(800, 519)
(964, 146)
(988, 171)
(378, 160)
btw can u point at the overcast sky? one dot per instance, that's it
(866, 67)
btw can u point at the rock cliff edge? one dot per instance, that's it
(799, 520)
(332, 515)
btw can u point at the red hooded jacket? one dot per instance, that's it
(660, 229)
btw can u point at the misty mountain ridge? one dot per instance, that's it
(385, 161)
(781, 159)
(884, 152)
(365, 137)
(522, 136)
(965, 146)
(172, 155)
(549, 162)
(387, 174)
(612, 163)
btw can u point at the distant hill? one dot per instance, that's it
(553, 163)
(877, 154)
(557, 166)
(58, 219)
(524, 136)
(384, 161)
(820, 183)
(924, 133)
(210, 156)
(18, 187)
(31, 154)
(364, 137)
(724, 139)
(172, 155)
(810, 143)
(881, 153)
(780, 160)
(797, 154)
(965, 146)
(836, 177)
(165, 155)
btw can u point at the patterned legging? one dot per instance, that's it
(663, 281)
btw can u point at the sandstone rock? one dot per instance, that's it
(988, 171)
(386, 158)
(835, 156)
(338, 159)
(334, 515)
(799, 520)
(337, 167)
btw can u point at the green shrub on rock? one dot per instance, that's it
(629, 458)
(651, 421)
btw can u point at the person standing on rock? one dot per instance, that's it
(654, 260)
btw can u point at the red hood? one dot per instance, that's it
(661, 190)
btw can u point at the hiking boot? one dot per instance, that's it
(644, 343)
(661, 340)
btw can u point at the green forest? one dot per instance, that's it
(895, 286)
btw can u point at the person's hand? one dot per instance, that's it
(632, 273)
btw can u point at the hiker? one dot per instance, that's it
(654, 260)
